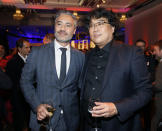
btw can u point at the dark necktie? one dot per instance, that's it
(63, 64)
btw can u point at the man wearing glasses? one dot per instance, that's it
(115, 78)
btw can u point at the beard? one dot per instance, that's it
(64, 39)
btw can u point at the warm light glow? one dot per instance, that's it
(18, 11)
(92, 45)
(18, 15)
(73, 44)
(123, 18)
(103, 1)
(75, 13)
(98, 5)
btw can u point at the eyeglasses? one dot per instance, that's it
(98, 24)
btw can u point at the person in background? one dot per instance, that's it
(141, 43)
(115, 83)
(14, 67)
(5, 84)
(5, 94)
(56, 68)
(48, 38)
(4, 57)
(151, 64)
(157, 100)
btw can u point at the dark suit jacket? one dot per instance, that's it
(20, 106)
(41, 67)
(14, 69)
(5, 82)
(126, 83)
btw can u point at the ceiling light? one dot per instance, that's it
(123, 18)
(75, 13)
(18, 15)
(103, 1)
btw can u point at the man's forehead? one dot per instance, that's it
(99, 19)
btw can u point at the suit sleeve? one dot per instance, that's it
(141, 86)
(28, 79)
(158, 81)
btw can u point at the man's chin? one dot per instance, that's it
(63, 41)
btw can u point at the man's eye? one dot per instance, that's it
(68, 25)
(58, 23)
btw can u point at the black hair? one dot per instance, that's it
(101, 13)
(140, 40)
(20, 42)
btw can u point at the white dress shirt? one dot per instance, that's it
(58, 53)
(23, 58)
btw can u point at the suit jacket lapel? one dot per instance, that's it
(111, 62)
(84, 73)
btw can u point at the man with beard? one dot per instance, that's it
(56, 68)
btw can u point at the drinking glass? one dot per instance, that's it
(47, 121)
(51, 110)
(91, 104)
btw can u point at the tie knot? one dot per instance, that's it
(63, 50)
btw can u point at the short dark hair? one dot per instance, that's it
(140, 40)
(20, 42)
(159, 44)
(99, 13)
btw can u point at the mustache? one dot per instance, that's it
(62, 31)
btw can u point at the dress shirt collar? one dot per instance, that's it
(106, 48)
(58, 46)
(23, 58)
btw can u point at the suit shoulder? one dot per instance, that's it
(40, 47)
(125, 47)
(14, 59)
(77, 51)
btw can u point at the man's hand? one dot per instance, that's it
(104, 109)
(42, 112)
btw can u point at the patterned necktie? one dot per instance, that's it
(63, 64)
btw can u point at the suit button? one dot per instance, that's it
(96, 77)
(60, 90)
(98, 67)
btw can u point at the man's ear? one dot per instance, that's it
(18, 49)
(74, 31)
(113, 29)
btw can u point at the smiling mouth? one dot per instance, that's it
(97, 35)
(62, 33)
